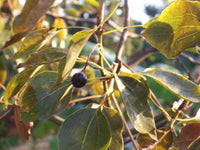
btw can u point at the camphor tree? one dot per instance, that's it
(62, 61)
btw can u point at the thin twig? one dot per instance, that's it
(124, 121)
(86, 98)
(57, 120)
(124, 33)
(192, 60)
(185, 68)
(70, 18)
(141, 56)
(130, 34)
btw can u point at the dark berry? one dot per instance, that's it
(79, 79)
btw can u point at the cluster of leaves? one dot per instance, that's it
(44, 89)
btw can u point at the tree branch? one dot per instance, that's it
(124, 33)
(141, 56)
(70, 18)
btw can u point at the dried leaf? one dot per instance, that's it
(24, 128)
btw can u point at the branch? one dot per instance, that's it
(192, 60)
(70, 18)
(130, 34)
(141, 56)
(124, 33)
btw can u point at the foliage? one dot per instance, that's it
(49, 55)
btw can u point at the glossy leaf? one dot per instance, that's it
(47, 105)
(176, 29)
(188, 134)
(36, 89)
(135, 93)
(16, 83)
(85, 129)
(45, 56)
(116, 127)
(165, 140)
(34, 41)
(77, 42)
(177, 84)
(144, 140)
(31, 14)
(15, 38)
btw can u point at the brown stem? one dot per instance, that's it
(185, 68)
(124, 33)
(141, 56)
(70, 18)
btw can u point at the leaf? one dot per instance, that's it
(144, 140)
(176, 83)
(176, 29)
(36, 89)
(164, 140)
(16, 83)
(93, 3)
(24, 128)
(44, 56)
(3, 72)
(134, 94)
(34, 41)
(45, 108)
(14, 39)
(188, 134)
(31, 14)
(163, 94)
(86, 129)
(116, 127)
(194, 145)
(77, 42)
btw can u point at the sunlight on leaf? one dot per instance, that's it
(31, 14)
(176, 29)
(77, 42)
(34, 41)
(176, 84)
(135, 93)
(44, 56)
(16, 83)
(88, 129)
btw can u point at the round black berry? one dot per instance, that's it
(79, 79)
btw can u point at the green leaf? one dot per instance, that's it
(163, 94)
(47, 105)
(34, 41)
(176, 29)
(37, 88)
(44, 56)
(86, 129)
(116, 127)
(16, 83)
(77, 42)
(135, 93)
(177, 84)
